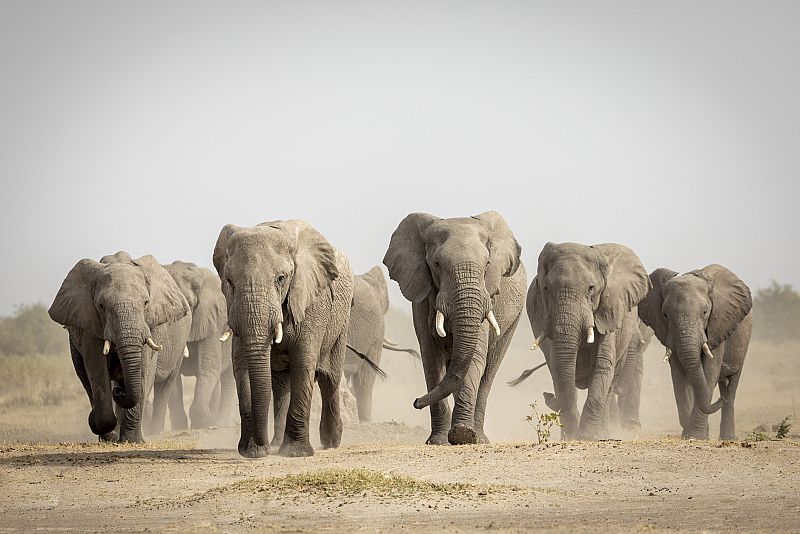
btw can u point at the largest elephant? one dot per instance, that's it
(128, 323)
(580, 290)
(209, 358)
(704, 319)
(288, 294)
(466, 283)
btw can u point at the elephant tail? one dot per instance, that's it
(372, 365)
(525, 374)
(388, 344)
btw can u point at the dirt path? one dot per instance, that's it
(609, 486)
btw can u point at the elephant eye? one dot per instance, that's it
(102, 307)
(146, 302)
(281, 279)
(591, 289)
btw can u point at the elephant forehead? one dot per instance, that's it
(256, 241)
(122, 279)
(686, 290)
(458, 228)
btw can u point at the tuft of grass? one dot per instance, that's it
(543, 423)
(756, 436)
(351, 482)
(782, 428)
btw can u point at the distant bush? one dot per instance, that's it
(29, 330)
(776, 313)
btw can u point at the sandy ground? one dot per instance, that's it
(668, 484)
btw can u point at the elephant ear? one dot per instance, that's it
(210, 315)
(314, 266)
(537, 311)
(405, 257)
(650, 307)
(167, 304)
(627, 284)
(504, 250)
(730, 302)
(221, 248)
(74, 302)
(374, 277)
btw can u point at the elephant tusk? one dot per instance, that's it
(536, 342)
(440, 324)
(185, 351)
(667, 355)
(226, 335)
(590, 335)
(152, 344)
(493, 322)
(106, 347)
(707, 351)
(279, 333)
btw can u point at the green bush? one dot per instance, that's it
(776, 313)
(31, 331)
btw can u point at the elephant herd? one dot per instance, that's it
(285, 310)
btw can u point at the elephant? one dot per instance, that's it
(466, 283)
(579, 291)
(288, 294)
(365, 338)
(209, 358)
(704, 319)
(128, 324)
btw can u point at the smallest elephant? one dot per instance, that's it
(704, 320)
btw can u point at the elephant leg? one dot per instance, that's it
(727, 388)
(242, 380)
(595, 410)
(494, 357)
(363, 384)
(209, 360)
(281, 384)
(433, 365)
(161, 391)
(227, 392)
(177, 411)
(631, 387)
(330, 423)
(301, 374)
(462, 429)
(683, 399)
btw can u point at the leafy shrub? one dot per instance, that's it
(31, 331)
(543, 423)
(782, 428)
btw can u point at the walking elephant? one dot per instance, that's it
(704, 320)
(288, 295)
(466, 283)
(578, 291)
(365, 338)
(128, 323)
(209, 358)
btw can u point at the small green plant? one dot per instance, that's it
(543, 422)
(756, 436)
(783, 427)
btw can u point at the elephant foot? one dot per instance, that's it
(462, 435)
(294, 449)
(590, 433)
(107, 437)
(631, 424)
(276, 441)
(331, 435)
(131, 437)
(482, 437)
(437, 438)
(693, 434)
(252, 450)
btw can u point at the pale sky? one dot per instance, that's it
(672, 127)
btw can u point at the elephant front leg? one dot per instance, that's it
(727, 388)
(281, 385)
(242, 380)
(227, 391)
(462, 430)
(209, 360)
(296, 436)
(594, 410)
(631, 387)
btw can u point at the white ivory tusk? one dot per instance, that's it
(185, 351)
(279, 333)
(152, 344)
(106, 347)
(707, 351)
(440, 324)
(226, 335)
(667, 355)
(590, 335)
(536, 342)
(493, 322)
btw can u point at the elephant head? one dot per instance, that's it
(691, 315)
(271, 274)
(579, 289)
(374, 277)
(201, 287)
(457, 266)
(121, 301)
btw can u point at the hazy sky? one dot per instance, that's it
(672, 127)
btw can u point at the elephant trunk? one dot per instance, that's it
(689, 355)
(130, 358)
(468, 311)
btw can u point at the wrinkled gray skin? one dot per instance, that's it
(628, 389)
(209, 358)
(464, 268)
(285, 272)
(710, 305)
(366, 335)
(578, 287)
(123, 301)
